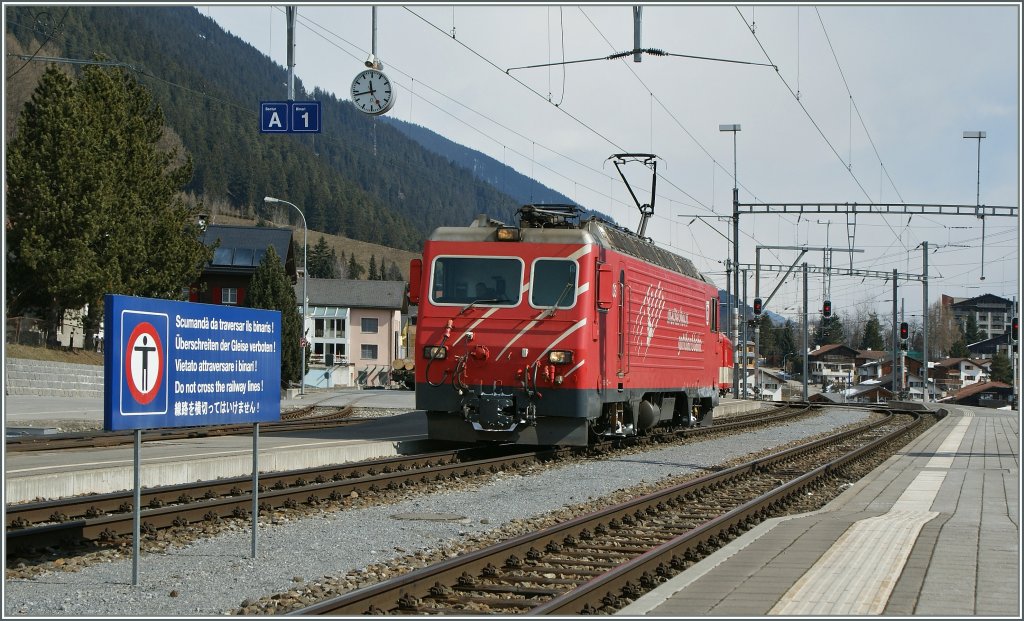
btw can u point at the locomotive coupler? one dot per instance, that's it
(495, 411)
(531, 415)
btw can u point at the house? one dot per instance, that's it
(952, 374)
(768, 383)
(862, 393)
(1000, 344)
(238, 252)
(354, 329)
(910, 387)
(983, 394)
(991, 312)
(831, 364)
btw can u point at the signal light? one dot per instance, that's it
(757, 307)
(826, 309)
(1013, 330)
(904, 331)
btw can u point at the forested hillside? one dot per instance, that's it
(361, 177)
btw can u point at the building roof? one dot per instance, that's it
(824, 349)
(986, 299)
(871, 353)
(241, 248)
(345, 293)
(973, 389)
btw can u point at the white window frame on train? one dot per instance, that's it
(513, 288)
(533, 281)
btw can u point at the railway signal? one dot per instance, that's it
(904, 331)
(757, 307)
(1013, 328)
(826, 309)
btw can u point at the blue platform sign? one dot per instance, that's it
(274, 117)
(306, 117)
(182, 364)
(290, 117)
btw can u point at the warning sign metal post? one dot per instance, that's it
(181, 364)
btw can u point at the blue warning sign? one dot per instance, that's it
(181, 364)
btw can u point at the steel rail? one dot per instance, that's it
(622, 580)
(406, 589)
(88, 517)
(166, 510)
(294, 421)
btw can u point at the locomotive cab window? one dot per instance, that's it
(553, 284)
(486, 281)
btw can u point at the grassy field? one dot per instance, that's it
(76, 356)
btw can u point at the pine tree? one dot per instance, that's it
(355, 270)
(322, 260)
(271, 289)
(94, 202)
(959, 350)
(1002, 369)
(373, 269)
(971, 333)
(872, 338)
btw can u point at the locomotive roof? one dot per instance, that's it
(592, 231)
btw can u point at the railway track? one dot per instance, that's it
(303, 419)
(597, 563)
(108, 518)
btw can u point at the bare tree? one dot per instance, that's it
(943, 331)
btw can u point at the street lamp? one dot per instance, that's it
(735, 252)
(305, 278)
(977, 135)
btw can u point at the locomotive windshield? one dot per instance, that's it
(554, 283)
(485, 281)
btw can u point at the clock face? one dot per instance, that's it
(372, 92)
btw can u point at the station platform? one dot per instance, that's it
(46, 475)
(933, 531)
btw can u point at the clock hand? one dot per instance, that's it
(362, 93)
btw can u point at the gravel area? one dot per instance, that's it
(216, 576)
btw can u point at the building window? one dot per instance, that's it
(368, 352)
(229, 295)
(369, 325)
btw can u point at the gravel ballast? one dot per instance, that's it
(216, 576)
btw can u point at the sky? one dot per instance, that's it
(836, 104)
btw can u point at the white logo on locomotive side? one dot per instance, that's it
(647, 319)
(690, 341)
(677, 317)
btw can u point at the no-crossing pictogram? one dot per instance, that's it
(144, 363)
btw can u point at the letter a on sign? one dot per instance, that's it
(274, 117)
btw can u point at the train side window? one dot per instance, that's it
(553, 283)
(713, 314)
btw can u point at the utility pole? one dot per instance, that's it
(744, 326)
(805, 332)
(895, 331)
(290, 12)
(924, 355)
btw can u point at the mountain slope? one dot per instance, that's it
(361, 178)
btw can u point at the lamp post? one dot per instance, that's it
(305, 278)
(977, 135)
(735, 254)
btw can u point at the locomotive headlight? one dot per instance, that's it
(508, 234)
(559, 356)
(435, 352)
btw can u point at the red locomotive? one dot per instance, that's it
(556, 331)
